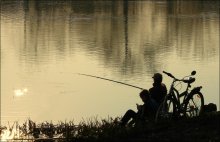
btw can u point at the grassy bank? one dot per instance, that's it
(203, 129)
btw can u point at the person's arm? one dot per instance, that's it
(165, 89)
(139, 107)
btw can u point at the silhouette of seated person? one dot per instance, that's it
(159, 89)
(147, 111)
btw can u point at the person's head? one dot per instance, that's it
(157, 78)
(144, 95)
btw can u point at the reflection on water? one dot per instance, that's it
(45, 43)
(20, 92)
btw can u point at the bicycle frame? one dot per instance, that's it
(173, 107)
(175, 95)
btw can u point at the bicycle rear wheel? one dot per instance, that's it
(194, 105)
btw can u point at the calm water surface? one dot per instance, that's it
(44, 44)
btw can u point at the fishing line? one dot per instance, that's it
(112, 81)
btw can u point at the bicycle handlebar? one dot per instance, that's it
(189, 81)
(169, 74)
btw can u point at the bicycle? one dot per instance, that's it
(173, 108)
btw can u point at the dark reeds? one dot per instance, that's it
(204, 128)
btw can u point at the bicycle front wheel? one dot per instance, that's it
(194, 105)
(166, 110)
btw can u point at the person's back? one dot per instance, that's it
(151, 107)
(159, 90)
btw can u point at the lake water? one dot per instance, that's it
(45, 44)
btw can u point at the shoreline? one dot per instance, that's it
(204, 128)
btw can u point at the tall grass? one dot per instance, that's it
(90, 129)
(203, 128)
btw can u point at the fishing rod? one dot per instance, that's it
(111, 80)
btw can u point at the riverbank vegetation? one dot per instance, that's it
(204, 129)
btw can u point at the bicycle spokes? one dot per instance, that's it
(194, 105)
